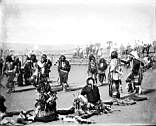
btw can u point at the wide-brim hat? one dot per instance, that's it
(134, 54)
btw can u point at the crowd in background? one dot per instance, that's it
(36, 72)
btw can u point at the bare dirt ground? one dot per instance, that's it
(144, 112)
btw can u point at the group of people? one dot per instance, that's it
(32, 70)
(37, 72)
(24, 74)
(89, 98)
(96, 69)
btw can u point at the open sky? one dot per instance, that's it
(80, 22)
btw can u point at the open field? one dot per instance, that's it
(143, 112)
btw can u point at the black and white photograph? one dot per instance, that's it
(77, 62)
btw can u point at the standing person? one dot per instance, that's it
(1, 66)
(63, 70)
(1, 71)
(9, 70)
(18, 71)
(102, 66)
(115, 73)
(35, 75)
(136, 75)
(92, 67)
(45, 65)
(27, 70)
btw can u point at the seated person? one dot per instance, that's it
(91, 92)
(89, 99)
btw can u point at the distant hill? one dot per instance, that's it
(54, 49)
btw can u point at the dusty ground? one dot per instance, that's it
(143, 112)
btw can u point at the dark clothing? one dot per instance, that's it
(1, 66)
(9, 71)
(2, 106)
(65, 67)
(8, 66)
(63, 76)
(102, 65)
(49, 118)
(132, 76)
(18, 70)
(47, 66)
(136, 66)
(102, 77)
(136, 71)
(27, 72)
(44, 88)
(92, 93)
(92, 67)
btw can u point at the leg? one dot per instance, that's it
(99, 77)
(20, 79)
(95, 77)
(61, 79)
(115, 89)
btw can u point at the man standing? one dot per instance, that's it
(1, 71)
(9, 70)
(114, 75)
(18, 71)
(1, 66)
(136, 74)
(63, 70)
(45, 65)
(102, 66)
(2, 106)
(92, 67)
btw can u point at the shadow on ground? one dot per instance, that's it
(147, 91)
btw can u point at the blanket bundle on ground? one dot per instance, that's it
(69, 115)
(131, 100)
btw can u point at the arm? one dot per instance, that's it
(88, 68)
(59, 66)
(49, 64)
(83, 91)
(68, 66)
(142, 64)
(125, 62)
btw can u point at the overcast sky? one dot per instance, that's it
(80, 22)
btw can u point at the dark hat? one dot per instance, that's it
(114, 54)
(62, 57)
(44, 55)
(91, 56)
(88, 79)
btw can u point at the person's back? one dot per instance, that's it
(136, 64)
